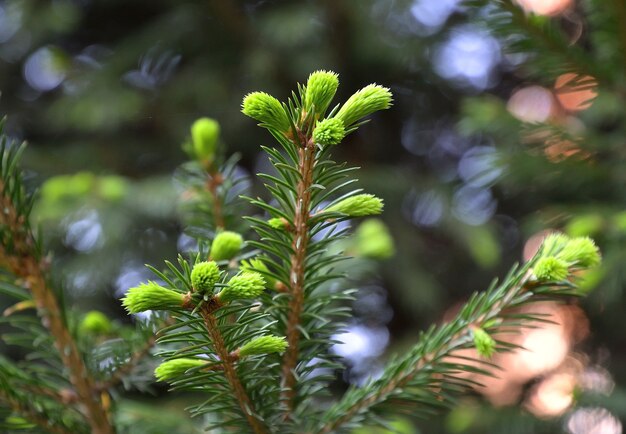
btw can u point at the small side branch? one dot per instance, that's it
(246, 405)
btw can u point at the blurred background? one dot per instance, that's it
(105, 92)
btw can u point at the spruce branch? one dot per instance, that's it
(429, 373)
(20, 254)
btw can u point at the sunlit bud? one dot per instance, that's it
(320, 90)
(226, 245)
(247, 284)
(484, 343)
(329, 131)
(358, 206)
(278, 223)
(550, 269)
(150, 296)
(204, 136)
(204, 275)
(553, 244)
(267, 110)
(581, 251)
(364, 102)
(174, 368)
(256, 264)
(263, 345)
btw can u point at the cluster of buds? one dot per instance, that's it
(318, 94)
(558, 258)
(205, 277)
(560, 255)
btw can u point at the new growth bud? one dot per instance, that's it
(329, 131)
(358, 206)
(95, 323)
(150, 296)
(173, 368)
(484, 343)
(581, 251)
(278, 223)
(204, 136)
(553, 244)
(257, 265)
(247, 284)
(263, 345)
(226, 245)
(320, 90)
(204, 276)
(267, 110)
(551, 269)
(364, 102)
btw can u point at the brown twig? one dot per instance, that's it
(246, 405)
(23, 263)
(296, 273)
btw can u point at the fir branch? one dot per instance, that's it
(428, 369)
(32, 415)
(297, 271)
(20, 254)
(246, 405)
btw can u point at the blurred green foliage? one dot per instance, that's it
(106, 91)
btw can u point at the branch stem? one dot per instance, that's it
(298, 267)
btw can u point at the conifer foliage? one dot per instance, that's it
(248, 318)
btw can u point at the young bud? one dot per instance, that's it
(581, 251)
(553, 244)
(364, 102)
(551, 269)
(256, 264)
(373, 240)
(267, 110)
(95, 323)
(329, 131)
(358, 206)
(247, 284)
(263, 345)
(204, 135)
(484, 343)
(278, 223)
(174, 368)
(226, 245)
(320, 90)
(150, 296)
(204, 276)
